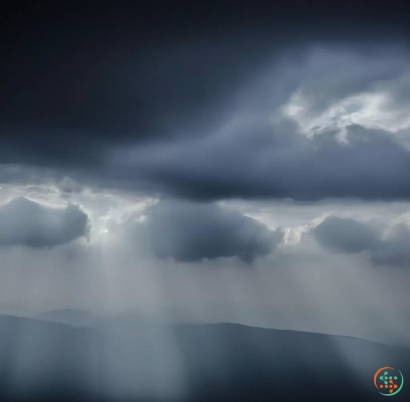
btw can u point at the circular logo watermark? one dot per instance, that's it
(388, 381)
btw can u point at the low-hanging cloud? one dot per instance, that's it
(190, 232)
(348, 236)
(27, 223)
(345, 235)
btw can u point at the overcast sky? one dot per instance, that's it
(230, 161)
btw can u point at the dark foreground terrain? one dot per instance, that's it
(128, 361)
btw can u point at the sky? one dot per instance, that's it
(240, 162)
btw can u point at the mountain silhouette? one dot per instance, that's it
(47, 361)
(75, 318)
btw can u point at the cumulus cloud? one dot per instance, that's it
(191, 232)
(346, 235)
(349, 236)
(27, 223)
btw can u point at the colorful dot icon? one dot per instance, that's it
(384, 381)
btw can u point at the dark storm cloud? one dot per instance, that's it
(191, 232)
(344, 235)
(27, 223)
(256, 161)
(78, 83)
(77, 78)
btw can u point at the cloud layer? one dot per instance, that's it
(258, 160)
(27, 223)
(191, 232)
(344, 235)
(205, 113)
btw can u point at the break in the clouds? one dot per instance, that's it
(190, 232)
(27, 223)
(345, 235)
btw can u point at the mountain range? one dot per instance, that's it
(41, 360)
